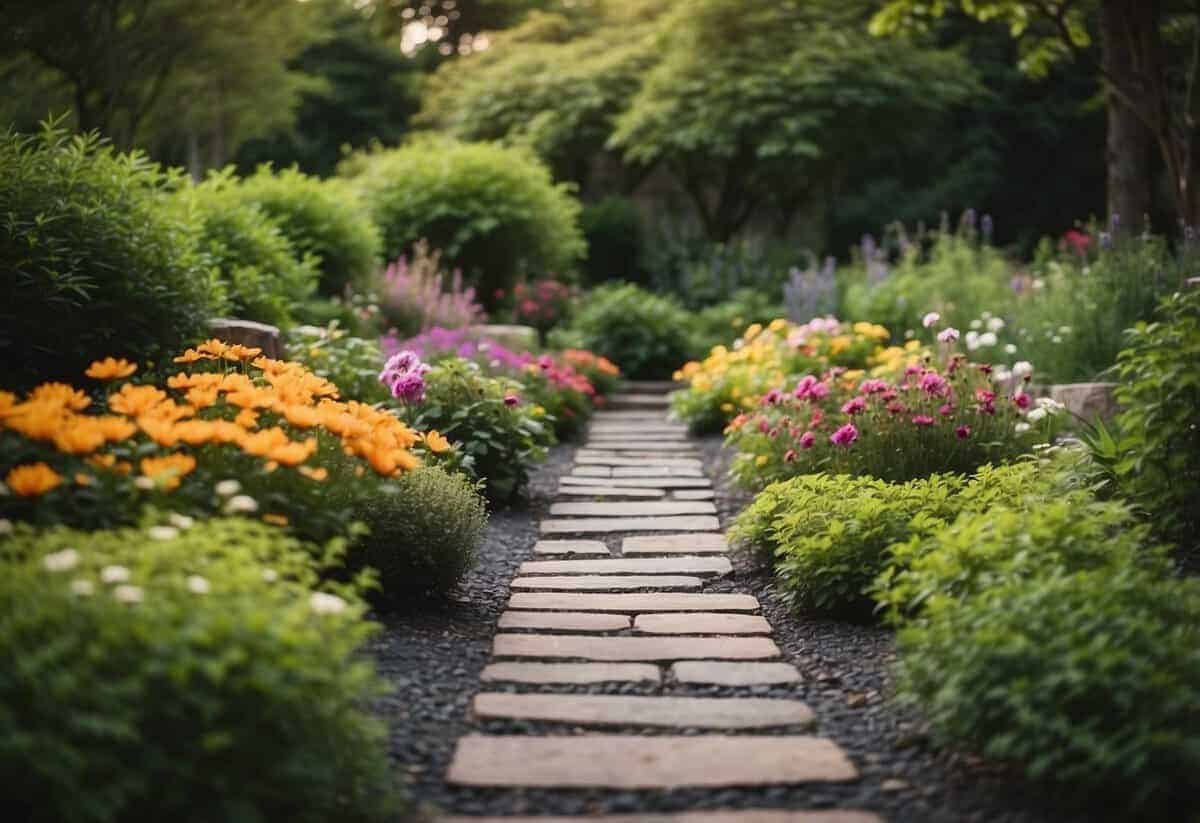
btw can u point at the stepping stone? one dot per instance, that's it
(718, 816)
(567, 621)
(674, 544)
(609, 491)
(634, 762)
(640, 482)
(569, 547)
(590, 525)
(631, 710)
(669, 439)
(652, 471)
(635, 603)
(682, 451)
(638, 462)
(657, 444)
(637, 427)
(570, 673)
(600, 582)
(694, 494)
(622, 399)
(634, 648)
(734, 674)
(592, 471)
(702, 623)
(636, 565)
(632, 509)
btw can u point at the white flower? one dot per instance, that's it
(1021, 428)
(114, 574)
(1056, 339)
(948, 335)
(972, 340)
(181, 521)
(324, 603)
(1009, 348)
(1022, 368)
(1000, 374)
(985, 315)
(270, 575)
(82, 588)
(6, 526)
(1039, 284)
(128, 594)
(988, 339)
(977, 324)
(1051, 405)
(241, 504)
(197, 584)
(1064, 329)
(930, 320)
(162, 532)
(228, 488)
(62, 561)
(995, 324)
(1036, 415)
(144, 483)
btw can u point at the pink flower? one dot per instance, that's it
(889, 395)
(773, 433)
(873, 386)
(764, 426)
(896, 407)
(772, 397)
(789, 456)
(512, 400)
(934, 384)
(946, 410)
(1021, 400)
(985, 396)
(947, 335)
(930, 320)
(962, 432)
(909, 371)
(854, 405)
(818, 392)
(807, 440)
(804, 387)
(922, 420)
(844, 436)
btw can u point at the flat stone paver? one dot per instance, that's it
(592, 471)
(566, 621)
(569, 547)
(621, 398)
(655, 471)
(609, 491)
(636, 453)
(634, 603)
(693, 494)
(638, 509)
(638, 462)
(589, 525)
(682, 564)
(717, 816)
(654, 445)
(636, 428)
(734, 674)
(639, 482)
(669, 437)
(634, 649)
(607, 582)
(631, 762)
(701, 623)
(674, 543)
(636, 710)
(571, 673)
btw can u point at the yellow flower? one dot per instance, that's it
(436, 443)
(167, 470)
(110, 369)
(32, 480)
(82, 479)
(275, 519)
(761, 460)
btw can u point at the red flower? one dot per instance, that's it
(962, 432)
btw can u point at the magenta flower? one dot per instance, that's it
(854, 405)
(922, 420)
(511, 400)
(946, 410)
(807, 440)
(763, 426)
(789, 456)
(873, 386)
(804, 387)
(772, 398)
(818, 392)
(962, 432)
(844, 436)
(947, 335)
(1021, 400)
(934, 384)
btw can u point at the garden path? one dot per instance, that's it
(609, 631)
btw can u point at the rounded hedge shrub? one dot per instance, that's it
(424, 532)
(647, 335)
(319, 217)
(92, 265)
(493, 211)
(1089, 681)
(183, 673)
(614, 234)
(265, 275)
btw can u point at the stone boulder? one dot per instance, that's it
(1087, 400)
(248, 333)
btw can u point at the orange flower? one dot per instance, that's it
(167, 470)
(32, 480)
(80, 436)
(114, 428)
(134, 401)
(102, 461)
(246, 418)
(436, 443)
(261, 443)
(162, 432)
(317, 474)
(302, 417)
(270, 366)
(7, 401)
(37, 420)
(240, 352)
(213, 348)
(110, 369)
(293, 453)
(82, 479)
(275, 519)
(202, 397)
(195, 432)
(191, 356)
(61, 395)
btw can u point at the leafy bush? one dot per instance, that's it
(499, 434)
(494, 211)
(646, 334)
(350, 363)
(614, 234)
(417, 296)
(423, 532)
(322, 218)
(1089, 681)
(717, 324)
(187, 673)
(91, 262)
(265, 275)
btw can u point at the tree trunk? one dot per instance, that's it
(1127, 152)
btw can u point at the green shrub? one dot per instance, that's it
(720, 323)
(350, 363)
(188, 674)
(614, 234)
(265, 275)
(1088, 681)
(424, 532)
(498, 433)
(92, 266)
(322, 218)
(493, 211)
(647, 335)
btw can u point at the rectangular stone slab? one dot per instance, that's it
(723, 673)
(639, 482)
(569, 547)
(700, 623)
(592, 471)
(693, 494)
(656, 399)
(607, 582)
(635, 603)
(669, 438)
(653, 471)
(549, 673)
(610, 509)
(634, 565)
(609, 491)
(633, 762)
(661, 444)
(673, 544)
(634, 649)
(566, 621)
(672, 462)
(636, 428)
(640, 452)
(637, 710)
(718, 816)
(592, 525)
